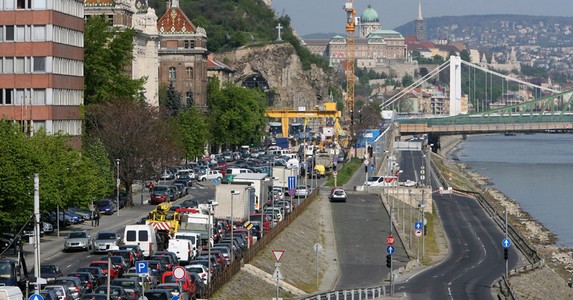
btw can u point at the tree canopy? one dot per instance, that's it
(236, 114)
(68, 177)
(108, 54)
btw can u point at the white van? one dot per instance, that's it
(193, 237)
(237, 171)
(10, 293)
(183, 248)
(143, 235)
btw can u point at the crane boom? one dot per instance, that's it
(350, 28)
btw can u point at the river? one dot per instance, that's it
(534, 170)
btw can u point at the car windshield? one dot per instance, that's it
(339, 192)
(47, 269)
(78, 235)
(160, 188)
(124, 283)
(105, 236)
(104, 203)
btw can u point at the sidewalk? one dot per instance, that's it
(51, 244)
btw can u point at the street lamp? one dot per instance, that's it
(117, 183)
(233, 193)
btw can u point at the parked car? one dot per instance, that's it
(200, 269)
(182, 188)
(84, 212)
(88, 280)
(156, 294)
(49, 272)
(211, 175)
(178, 192)
(49, 295)
(73, 284)
(130, 285)
(337, 194)
(78, 240)
(105, 240)
(94, 296)
(162, 193)
(116, 292)
(61, 291)
(106, 206)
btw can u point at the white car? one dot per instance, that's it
(201, 270)
(410, 183)
(210, 175)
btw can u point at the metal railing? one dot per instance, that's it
(252, 252)
(352, 294)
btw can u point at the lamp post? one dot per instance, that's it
(233, 193)
(117, 183)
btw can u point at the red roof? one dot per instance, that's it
(175, 21)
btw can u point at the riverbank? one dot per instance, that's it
(549, 282)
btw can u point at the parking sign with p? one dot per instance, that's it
(141, 267)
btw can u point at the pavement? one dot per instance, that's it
(53, 243)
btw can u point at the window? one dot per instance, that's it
(39, 97)
(172, 73)
(39, 33)
(10, 32)
(40, 64)
(189, 72)
(9, 5)
(20, 33)
(189, 44)
(1, 30)
(9, 65)
(8, 95)
(38, 4)
(19, 65)
(143, 236)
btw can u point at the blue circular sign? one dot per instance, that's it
(36, 297)
(390, 249)
(506, 243)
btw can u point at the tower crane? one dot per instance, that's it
(351, 23)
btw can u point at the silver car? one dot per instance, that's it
(78, 240)
(106, 240)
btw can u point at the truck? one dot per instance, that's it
(236, 201)
(15, 272)
(260, 182)
(324, 159)
(196, 220)
(10, 293)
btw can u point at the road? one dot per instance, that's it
(475, 259)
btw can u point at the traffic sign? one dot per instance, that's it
(390, 250)
(141, 267)
(366, 162)
(35, 297)
(179, 272)
(291, 182)
(371, 169)
(278, 254)
(277, 275)
(317, 247)
(506, 243)
(216, 180)
(422, 177)
(175, 298)
(334, 173)
(390, 240)
(248, 225)
(291, 192)
(418, 233)
(418, 225)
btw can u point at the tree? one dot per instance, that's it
(237, 115)
(193, 130)
(108, 55)
(407, 80)
(465, 55)
(172, 103)
(138, 136)
(67, 176)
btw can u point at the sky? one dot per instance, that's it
(325, 16)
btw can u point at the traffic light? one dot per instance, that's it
(389, 261)
(505, 253)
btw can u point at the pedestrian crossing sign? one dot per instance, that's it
(248, 225)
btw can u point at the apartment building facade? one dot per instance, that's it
(41, 65)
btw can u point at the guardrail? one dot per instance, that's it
(354, 294)
(267, 238)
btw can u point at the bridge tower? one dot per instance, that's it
(456, 86)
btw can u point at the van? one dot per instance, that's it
(182, 248)
(145, 236)
(10, 293)
(237, 171)
(193, 237)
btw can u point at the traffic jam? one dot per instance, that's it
(184, 246)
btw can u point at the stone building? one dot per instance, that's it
(374, 47)
(41, 65)
(183, 56)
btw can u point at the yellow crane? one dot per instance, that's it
(351, 23)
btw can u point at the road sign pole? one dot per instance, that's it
(278, 278)
(507, 260)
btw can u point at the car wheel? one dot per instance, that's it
(204, 179)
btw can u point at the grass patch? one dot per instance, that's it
(344, 174)
(431, 248)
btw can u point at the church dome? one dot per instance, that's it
(369, 15)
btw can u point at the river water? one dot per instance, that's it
(534, 170)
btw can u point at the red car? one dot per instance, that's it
(102, 264)
(262, 218)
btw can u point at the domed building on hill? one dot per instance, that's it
(375, 48)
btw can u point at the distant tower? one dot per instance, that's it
(420, 24)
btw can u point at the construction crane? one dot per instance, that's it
(351, 23)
